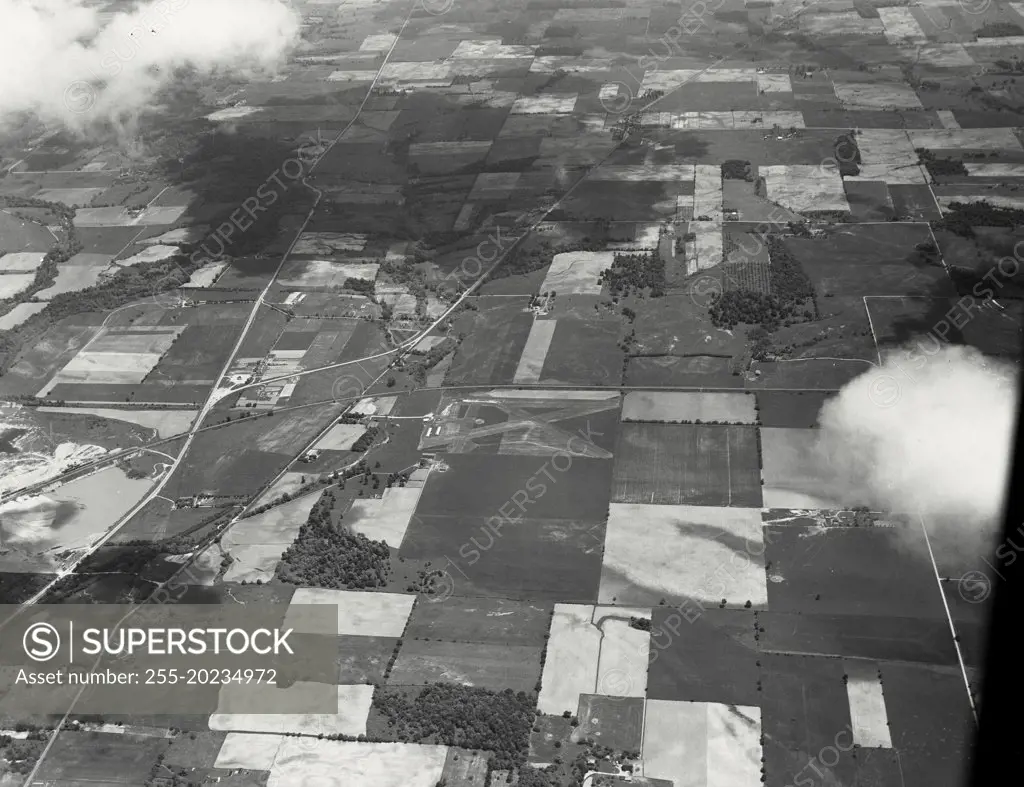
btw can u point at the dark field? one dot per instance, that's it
(536, 559)
(711, 659)
(495, 337)
(693, 464)
(930, 722)
(874, 260)
(483, 620)
(850, 571)
(479, 486)
(584, 353)
(859, 636)
(797, 410)
(616, 722)
(84, 759)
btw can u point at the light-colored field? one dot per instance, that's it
(723, 119)
(378, 405)
(939, 55)
(81, 271)
(166, 422)
(708, 245)
(868, 716)
(796, 474)
(670, 79)
(379, 42)
(289, 483)
(948, 120)
(990, 170)
(689, 406)
(707, 191)
(386, 518)
(192, 234)
(250, 751)
(117, 355)
(417, 72)
(21, 261)
(556, 394)
(12, 284)
(702, 744)
(625, 652)
(734, 745)
(72, 517)
(864, 95)
(490, 49)
(593, 650)
(577, 272)
(635, 173)
(570, 667)
(999, 139)
(544, 105)
(839, 24)
(351, 76)
(886, 146)
(360, 613)
(327, 243)
(206, 276)
(328, 273)
(531, 362)
(73, 198)
(1007, 41)
(901, 26)
(494, 185)
(893, 174)
(154, 253)
(118, 216)
(256, 543)
(805, 187)
(19, 314)
(235, 113)
(774, 83)
(364, 764)
(674, 551)
(340, 437)
(243, 708)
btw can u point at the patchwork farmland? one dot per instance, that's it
(510, 334)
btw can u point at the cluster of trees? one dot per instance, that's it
(519, 262)
(963, 217)
(1014, 65)
(737, 169)
(636, 273)
(361, 286)
(21, 755)
(791, 289)
(642, 624)
(938, 167)
(365, 440)
(418, 364)
(326, 555)
(466, 716)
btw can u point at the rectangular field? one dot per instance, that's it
(80, 758)
(496, 667)
(703, 655)
(299, 764)
(688, 464)
(689, 407)
(700, 554)
(484, 620)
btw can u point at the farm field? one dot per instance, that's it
(513, 324)
(687, 464)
